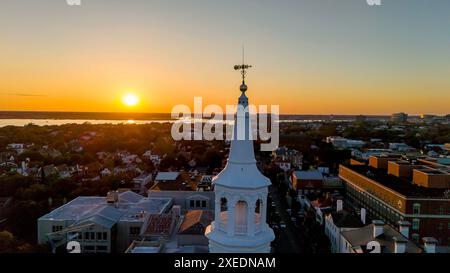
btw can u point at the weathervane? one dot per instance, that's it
(242, 67)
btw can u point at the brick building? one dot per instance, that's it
(397, 188)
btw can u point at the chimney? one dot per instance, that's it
(399, 244)
(113, 198)
(404, 228)
(378, 228)
(339, 205)
(176, 210)
(363, 216)
(429, 244)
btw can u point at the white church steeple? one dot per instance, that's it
(240, 192)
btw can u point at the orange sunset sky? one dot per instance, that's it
(309, 57)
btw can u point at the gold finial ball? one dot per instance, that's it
(243, 87)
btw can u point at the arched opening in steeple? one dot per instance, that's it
(223, 204)
(241, 217)
(258, 214)
(223, 213)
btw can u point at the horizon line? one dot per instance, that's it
(169, 113)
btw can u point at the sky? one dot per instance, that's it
(308, 56)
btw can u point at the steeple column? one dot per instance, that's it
(231, 216)
(263, 211)
(251, 218)
(217, 210)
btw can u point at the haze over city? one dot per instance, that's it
(310, 57)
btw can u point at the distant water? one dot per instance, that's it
(8, 118)
(44, 122)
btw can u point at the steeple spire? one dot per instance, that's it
(241, 189)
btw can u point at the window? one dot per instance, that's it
(191, 203)
(203, 203)
(105, 235)
(441, 210)
(415, 224)
(99, 235)
(416, 208)
(92, 235)
(441, 226)
(197, 203)
(86, 235)
(102, 248)
(89, 248)
(135, 230)
(415, 237)
(448, 225)
(56, 228)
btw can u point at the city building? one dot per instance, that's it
(307, 181)
(376, 238)
(399, 117)
(401, 147)
(141, 182)
(344, 143)
(339, 221)
(240, 194)
(394, 188)
(174, 181)
(100, 224)
(187, 200)
(286, 158)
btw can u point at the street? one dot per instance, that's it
(290, 239)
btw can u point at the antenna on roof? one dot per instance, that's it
(243, 54)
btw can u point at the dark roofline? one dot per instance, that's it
(400, 185)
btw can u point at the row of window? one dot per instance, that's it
(134, 231)
(86, 235)
(416, 209)
(56, 228)
(376, 208)
(197, 203)
(95, 248)
(90, 236)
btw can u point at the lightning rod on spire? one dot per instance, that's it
(243, 67)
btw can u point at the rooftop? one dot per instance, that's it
(309, 175)
(159, 224)
(193, 217)
(95, 208)
(183, 182)
(398, 184)
(360, 237)
(163, 176)
(345, 219)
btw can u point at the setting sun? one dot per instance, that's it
(130, 99)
